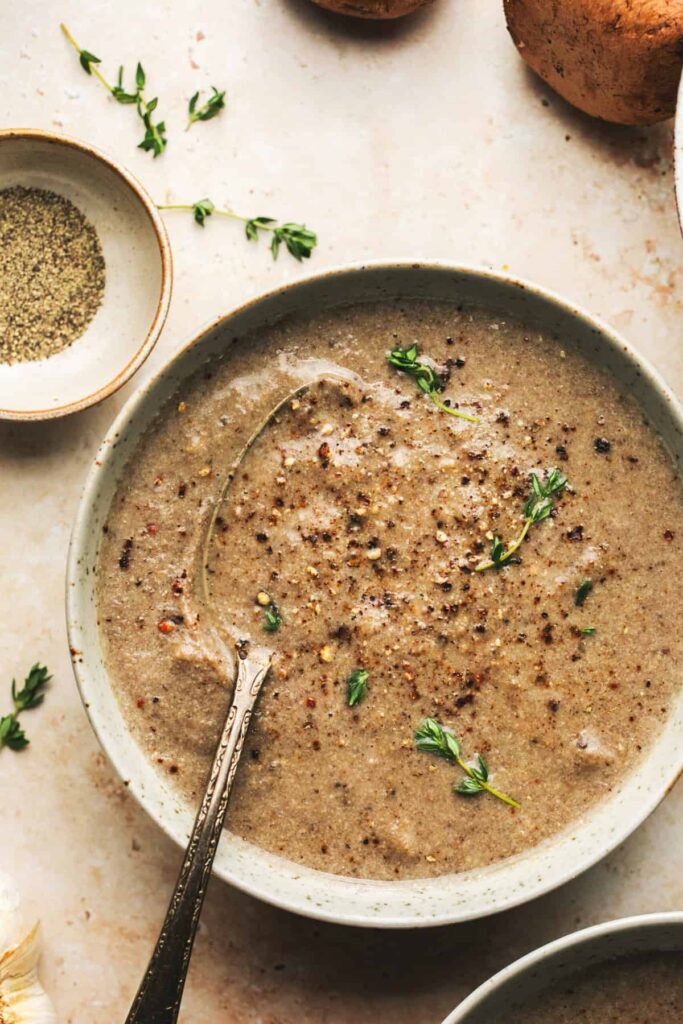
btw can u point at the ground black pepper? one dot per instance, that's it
(52, 274)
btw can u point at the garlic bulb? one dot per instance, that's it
(22, 999)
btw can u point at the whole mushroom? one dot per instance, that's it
(619, 60)
(372, 8)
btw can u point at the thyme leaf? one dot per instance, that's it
(588, 631)
(357, 686)
(537, 508)
(582, 592)
(272, 620)
(208, 110)
(202, 209)
(434, 738)
(425, 376)
(87, 60)
(154, 139)
(31, 695)
(299, 240)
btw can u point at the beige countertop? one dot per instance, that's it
(421, 139)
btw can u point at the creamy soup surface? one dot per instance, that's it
(362, 512)
(643, 989)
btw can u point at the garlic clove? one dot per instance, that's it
(22, 998)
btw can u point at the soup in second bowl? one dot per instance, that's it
(643, 989)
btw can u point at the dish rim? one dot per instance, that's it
(77, 552)
(678, 154)
(166, 285)
(573, 940)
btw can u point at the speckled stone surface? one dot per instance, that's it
(423, 138)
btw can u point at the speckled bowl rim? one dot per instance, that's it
(567, 943)
(164, 245)
(272, 867)
(678, 154)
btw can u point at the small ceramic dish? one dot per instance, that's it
(138, 273)
(399, 904)
(551, 964)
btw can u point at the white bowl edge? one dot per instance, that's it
(424, 902)
(678, 154)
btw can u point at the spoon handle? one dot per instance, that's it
(158, 998)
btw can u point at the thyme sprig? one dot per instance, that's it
(299, 240)
(31, 695)
(154, 140)
(208, 110)
(357, 686)
(538, 507)
(433, 738)
(425, 376)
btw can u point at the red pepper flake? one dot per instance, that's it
(316, 744)
(152, 529)
(310, 702)
(140, 702)
(173, 769)
(168, 624)
(324, 454)
(177, 586)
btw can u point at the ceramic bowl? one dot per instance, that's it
(138, 272)
(455, 897)
(494, 1000)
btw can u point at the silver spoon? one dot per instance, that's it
(158, 998)
(161, 991)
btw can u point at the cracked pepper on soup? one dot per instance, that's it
(460, 540)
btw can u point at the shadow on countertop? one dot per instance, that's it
(363, 30)
(648, 147)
